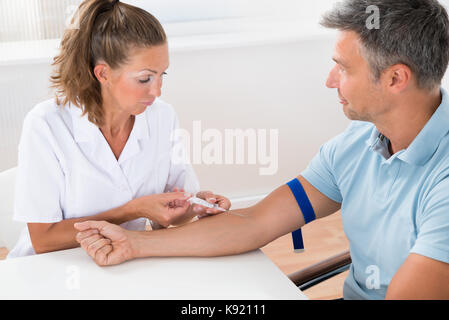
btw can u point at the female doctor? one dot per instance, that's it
(102, 148)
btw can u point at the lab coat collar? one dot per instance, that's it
(86, 131)
(139, 132)
(83, 129)
(141, 128)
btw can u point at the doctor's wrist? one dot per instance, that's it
(144, 207)
(133, 210)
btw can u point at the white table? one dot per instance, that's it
(72, 274)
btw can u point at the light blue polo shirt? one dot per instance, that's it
(391, 205)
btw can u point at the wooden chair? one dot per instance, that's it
(321, 271)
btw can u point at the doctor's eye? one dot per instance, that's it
(149, 79)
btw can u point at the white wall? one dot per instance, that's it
(265, 86)
(231, 80)
(270, 87)
(25, 20)
(219, 9)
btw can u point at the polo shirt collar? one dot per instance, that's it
(426, 142)
(379, 143)
(374, 138)
(429, 138)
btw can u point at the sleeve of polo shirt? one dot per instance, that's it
(433, 224)
(40, 179)
(181, 173)
(320, 172)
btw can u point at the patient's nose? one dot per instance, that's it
(333, 79)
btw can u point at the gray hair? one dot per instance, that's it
(410, 32)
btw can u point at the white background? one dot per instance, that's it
(245, 64)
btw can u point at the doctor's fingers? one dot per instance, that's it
(182, 206)
(209, 196)
(199, 209)
(174, 212)
(208, 212)
(220, 200)
(213, 211)
(223, 202)
(180, 203)
(174, 196)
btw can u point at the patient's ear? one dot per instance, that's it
(397, 77)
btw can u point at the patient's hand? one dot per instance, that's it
(106, 243)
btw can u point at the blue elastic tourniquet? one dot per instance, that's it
(306, 209)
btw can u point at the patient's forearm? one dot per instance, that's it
(224, 234)
(228, 233)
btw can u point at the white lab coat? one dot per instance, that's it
(66, 168)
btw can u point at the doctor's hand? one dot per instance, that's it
(106, 243)
(210, 197)
(164, 208)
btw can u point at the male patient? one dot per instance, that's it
(388, 172)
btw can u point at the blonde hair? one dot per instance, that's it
(107, 31)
